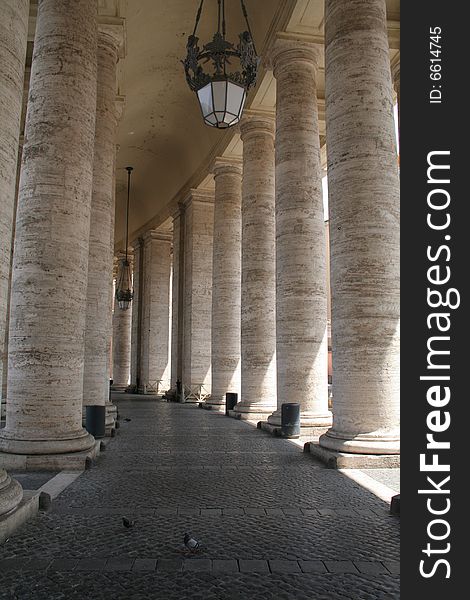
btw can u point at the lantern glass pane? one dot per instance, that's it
(219, 91)
(205, 99)
(235, 99)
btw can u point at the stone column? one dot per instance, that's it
(13, 37)
(49, 280)
(301, 280)
(226, 281)
(155, 338)
(199, 226)
(177, 298)
(258, 296)
(364, 229)
(137, 247)
(122, 327)
(396, 83)
(97, 348)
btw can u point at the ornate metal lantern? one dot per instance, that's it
(124, 292)
(222, 93)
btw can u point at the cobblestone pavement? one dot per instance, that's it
(272, 522)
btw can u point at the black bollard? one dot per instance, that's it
(290, 420)
(231, 398)
(96, 421)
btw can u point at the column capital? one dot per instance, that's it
(223, 165)
(178, 211)
(136, 244)
(289, 50)
(119, 105)
(153, 234)
(257, 121)
(111, 32)
(200, 196)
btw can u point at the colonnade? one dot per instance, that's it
(234, 297)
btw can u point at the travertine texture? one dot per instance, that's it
(13, 36)
(49, 280)
(198, 237)
(364, 229)
(177, 298)
(258, 298)
(301, 294)
(97, 347)
(122, 324)
(155, 342)
(226, 280)
(138, 248)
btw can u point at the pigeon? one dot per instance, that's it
(190, 542)
(128, 523)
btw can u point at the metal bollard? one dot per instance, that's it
(290, 420)
(231, 398)
(96, 421)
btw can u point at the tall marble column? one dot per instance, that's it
(364, 229)
(97, 348)
(13, 38)
(226, 281)
(122, 326)
(177, 298)
(301, 279)
(258, 295)
(49, 279)
(155, 297)
(198, 238)
(136, 326)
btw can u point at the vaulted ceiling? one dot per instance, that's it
(161, 132)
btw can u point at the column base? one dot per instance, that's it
(117, 387)
(215, 404)
(217, 408)
(361, 443)
(74, 441)
(74, 461)
(307, 419)
(344, 460)
(25, 510)
(11, 493)
(250, 412)
(305, 431)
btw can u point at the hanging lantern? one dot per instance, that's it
(222, 93)
(124, 292)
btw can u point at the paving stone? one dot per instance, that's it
(254, 565)
(63, 564)
(144, 564)
(284, 566)
(392, 566)
(119, 564)
(155, 472)
(166, 565)
(370, 568)
(340, 566)
(225, 566)
(13, 564)
(91, 564)
(327, 512)
(293, 512)
(255, 511)
(197, 564)
(166, 511)
(38, 564)
(312, 566)
(211, 512)
(233, 511)
(275, 512)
